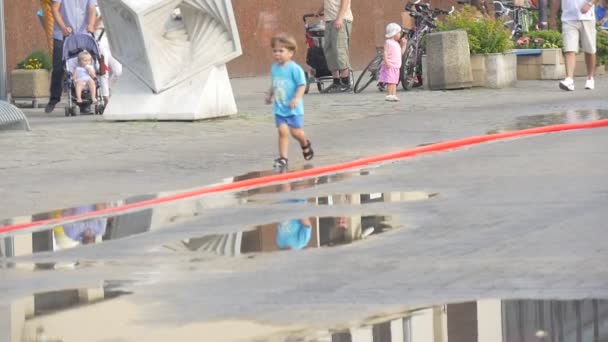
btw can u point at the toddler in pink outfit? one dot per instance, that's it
(394, 48)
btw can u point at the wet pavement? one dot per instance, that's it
(498, 242)
(73, 315)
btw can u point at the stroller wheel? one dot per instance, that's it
(320, 86)
(307, 83)
(75, 111)
(67, 111)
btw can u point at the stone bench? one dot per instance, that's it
(12, 117)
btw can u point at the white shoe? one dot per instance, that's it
(391, 98)
(567, 84)
(590, 84)
(367, 232)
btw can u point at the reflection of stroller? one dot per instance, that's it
(72, 46)
(315, 57)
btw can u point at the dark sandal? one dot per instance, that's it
(308, 154)
(280, 163)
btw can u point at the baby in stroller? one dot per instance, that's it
(84, 76)
(82, 66)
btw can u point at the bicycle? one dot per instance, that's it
(520, 20)
(425, 18)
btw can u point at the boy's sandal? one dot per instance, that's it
(307, 151)
(280, 162)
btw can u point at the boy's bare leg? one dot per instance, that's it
(92, 90)
(283, 131)
(78, 89)
(299, 135)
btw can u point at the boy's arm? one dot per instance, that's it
(269, 94)
(321, 9)
(298, 96)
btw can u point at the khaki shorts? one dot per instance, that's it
(335, 46)
(582, 31)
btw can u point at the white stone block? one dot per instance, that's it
(174, 68)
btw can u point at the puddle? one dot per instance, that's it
(296, 233)
(490, 320)
(571, 116)
(75, 315)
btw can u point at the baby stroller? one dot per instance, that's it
(72, 46)
(315, 58)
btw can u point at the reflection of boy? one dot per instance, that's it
(294, 234)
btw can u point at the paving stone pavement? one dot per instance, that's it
(516, 219)
(49, 167)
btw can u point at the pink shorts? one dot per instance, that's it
(389, 75)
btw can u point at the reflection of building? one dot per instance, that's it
(14, 317)
(492, 321)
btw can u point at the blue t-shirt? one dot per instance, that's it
(600, 13)
(285, 81)
(293, 234)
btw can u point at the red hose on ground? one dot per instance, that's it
(255, 182)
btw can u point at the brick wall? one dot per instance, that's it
(257, 20)
(24, 33)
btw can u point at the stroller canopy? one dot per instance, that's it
(74, 44)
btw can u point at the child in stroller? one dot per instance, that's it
(82, 66)
(315, 58)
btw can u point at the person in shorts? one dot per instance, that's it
(286, 93)
(578, 28)
(338, 26)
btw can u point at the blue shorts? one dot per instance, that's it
(293, 121)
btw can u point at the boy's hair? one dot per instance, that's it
(284, 40)
(83, 54)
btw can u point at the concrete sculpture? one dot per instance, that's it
(174, 66)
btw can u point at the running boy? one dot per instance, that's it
(287, 90)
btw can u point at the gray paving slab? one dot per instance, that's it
(63, 161)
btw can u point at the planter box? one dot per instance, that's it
(30, 85)
(495, 70)
(447, 64)
(581, 67)
(548, 64)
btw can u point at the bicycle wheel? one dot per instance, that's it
(370, 71)
(408, 69)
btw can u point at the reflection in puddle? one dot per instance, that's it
(296, 233)
(570, 116)
(289, 234)
(72, 315)
(484, 321)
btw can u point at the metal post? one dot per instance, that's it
(3, 74)
(542, 14)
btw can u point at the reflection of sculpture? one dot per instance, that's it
(174, 65)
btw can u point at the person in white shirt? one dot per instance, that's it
(578, 28)
(114, 67)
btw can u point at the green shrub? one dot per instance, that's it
(551, 38)
(36, 60)
(602, 48)
(486, 35)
